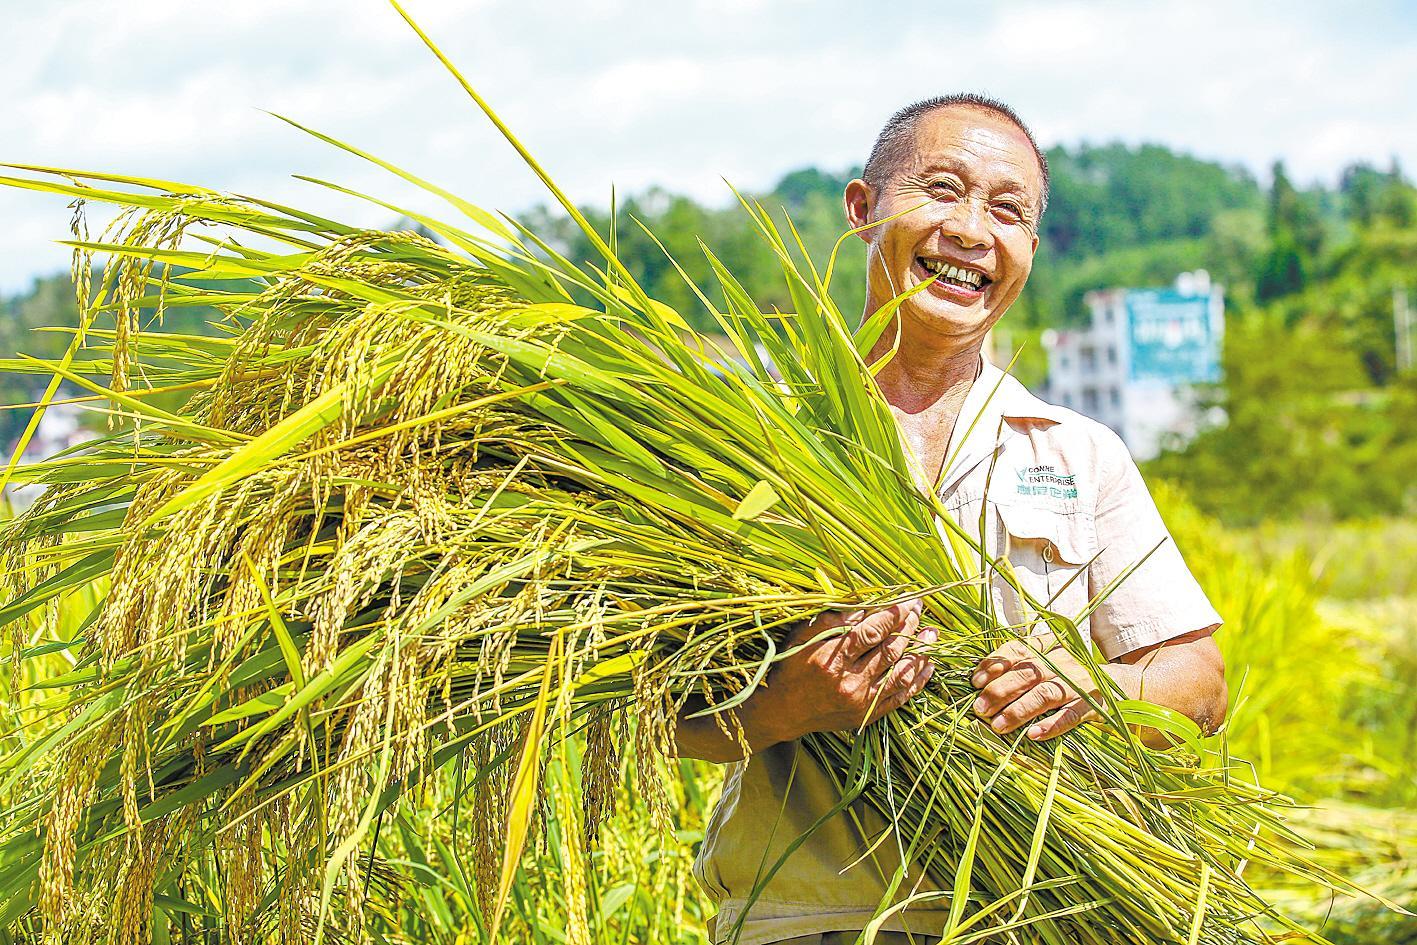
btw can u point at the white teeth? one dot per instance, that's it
(953, 272)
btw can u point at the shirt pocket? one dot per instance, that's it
(1049, 551)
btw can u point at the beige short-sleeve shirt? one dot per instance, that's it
(1067, 505)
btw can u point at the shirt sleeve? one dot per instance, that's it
(1160, 599)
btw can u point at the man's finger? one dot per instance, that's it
(918, 666)
(1065, 719)
(899, 640)
(924, 664)
(905, 673)
(914, 672)
(918, 675)
(1003, 659)
(1048, 695)
(1008, 687)
(874, 628)
(999, 662)
(888, 652)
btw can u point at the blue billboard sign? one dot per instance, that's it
(1173, 337)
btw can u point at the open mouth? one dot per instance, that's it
(970, 280)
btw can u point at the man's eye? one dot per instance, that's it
(1010, 209)
(944, 186)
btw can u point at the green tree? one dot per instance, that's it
(1296, 233)
(1299, 436)
(49, 303)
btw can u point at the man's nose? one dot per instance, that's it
(964, 222)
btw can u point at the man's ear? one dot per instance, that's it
(860, 200)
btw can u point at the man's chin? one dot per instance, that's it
(948, 320)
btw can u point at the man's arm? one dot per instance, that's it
(836, 684)
(1017, 688)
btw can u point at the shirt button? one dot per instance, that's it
(1048, 552)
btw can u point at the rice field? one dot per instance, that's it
(379, 634)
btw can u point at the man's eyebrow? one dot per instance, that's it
(951, 166)
(955, 167)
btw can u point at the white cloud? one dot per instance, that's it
(639, 92)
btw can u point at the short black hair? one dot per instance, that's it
(898, 135)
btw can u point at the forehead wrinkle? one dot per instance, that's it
(955, 165)
(977, 144)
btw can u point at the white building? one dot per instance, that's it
(60, 428)
(1134, 368)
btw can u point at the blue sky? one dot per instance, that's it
(636, 93)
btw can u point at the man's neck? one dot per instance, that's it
(926, 387)
(928, 380)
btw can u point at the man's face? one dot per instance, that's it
(973, 191)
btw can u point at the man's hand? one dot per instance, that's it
(1018, 686)
(849, 680)
(835, 684)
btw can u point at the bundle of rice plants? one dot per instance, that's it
(455, 503)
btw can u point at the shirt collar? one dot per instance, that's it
(979, 432)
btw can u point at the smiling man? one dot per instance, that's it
(953, 192)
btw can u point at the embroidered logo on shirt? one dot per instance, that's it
(1047, 480)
